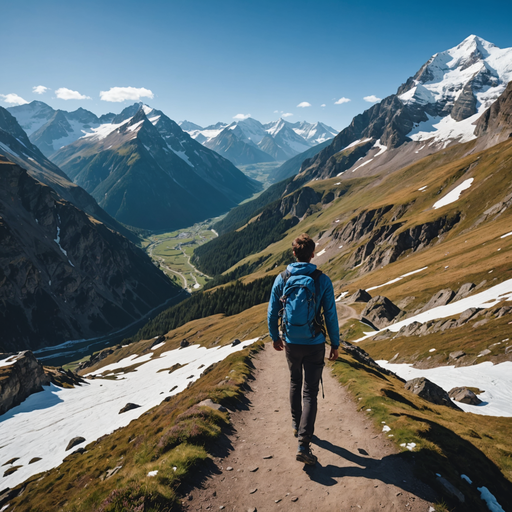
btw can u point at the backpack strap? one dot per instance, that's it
(318, 322)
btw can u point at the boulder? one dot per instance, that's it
(380, 311)
(440, 298)
(464, 291)
(75, 441)
(405, 302)
(360, 296)
(503, 311)
(184, 344)
(430, 392)
(457, 355)
(128, 407)
(466, 315)
(210, 403)
(464, 395)
(20, 376)
(235, 342)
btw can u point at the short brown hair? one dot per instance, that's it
(303, 247)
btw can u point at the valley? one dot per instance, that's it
(172, 251)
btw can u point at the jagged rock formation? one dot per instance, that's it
(430, 391)
(380, 312)
(360, 296)
(64, 275)
(20, 376)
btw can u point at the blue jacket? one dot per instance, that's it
(326, 302)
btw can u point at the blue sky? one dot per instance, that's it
(210, 60)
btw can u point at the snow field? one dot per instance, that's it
(45, 422)
(397, 279)
(494, 380)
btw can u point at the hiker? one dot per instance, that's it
(300, 297)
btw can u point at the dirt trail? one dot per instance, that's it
(345, 313)
(357, 469)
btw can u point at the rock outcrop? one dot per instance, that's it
(360, 296)
(464, 395)
(20, 376)
(380, 312)
(430, 391)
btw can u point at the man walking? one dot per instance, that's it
(299, 297)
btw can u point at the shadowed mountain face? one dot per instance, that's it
(146, 172)
(16, 146)
(63, 275)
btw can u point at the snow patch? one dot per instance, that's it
(454, 195)
(396, 279)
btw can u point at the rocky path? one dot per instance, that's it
(255, 469)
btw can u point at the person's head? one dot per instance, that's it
(303, 248)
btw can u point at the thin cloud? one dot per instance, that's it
(241, 117)
(39, 89)
(13, 99)
(371, 99)
(118, 94)
(287, 115)
(304, 104)
(67, 94)
(322, 105)
(342, 100)
(276, 111)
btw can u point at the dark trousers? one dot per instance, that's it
(306, 363)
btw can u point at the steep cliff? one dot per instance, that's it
(64, 275)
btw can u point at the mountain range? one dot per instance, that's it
(139, 165)
(248, 141)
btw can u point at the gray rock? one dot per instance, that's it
(449, 324)
(111, 472)
(503, 311)
(384, 335)
(128, 407)
(457, 355)
(466, 315)
(184, 344)
(405, 302)
(235, 342)
(75, 441)
(20, 379)
(440, 298)
(484, 352)
(480, 323)
(464, 395)
(360, 296)
(430, 392)
(380, 312)
(464, 291)
(210, 403)
(409, 330)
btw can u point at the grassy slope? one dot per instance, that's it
(175, 434)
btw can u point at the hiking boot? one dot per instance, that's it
(304, 455)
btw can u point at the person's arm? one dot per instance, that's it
(331, 318)
(274, 306)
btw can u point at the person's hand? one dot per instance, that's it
(334, 354)
(278, 345)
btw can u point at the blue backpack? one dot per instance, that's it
(298, 315)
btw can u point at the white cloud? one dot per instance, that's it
(304, 104)
(287, 115)
(322, 105)
(371, 99)
(67, 94)
(13, 99)
(341, 101)
(118, 94)
(276, 111)
(241, 117)
(39, 89)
